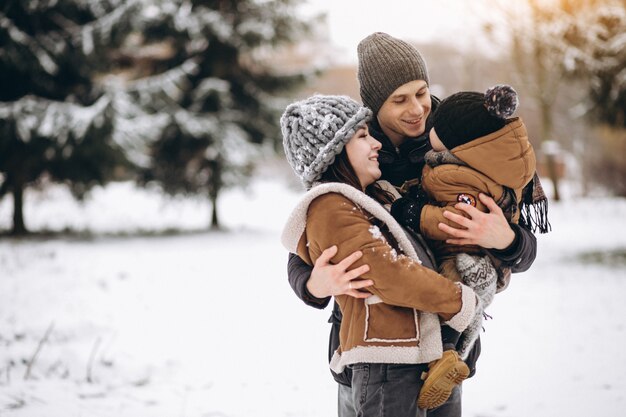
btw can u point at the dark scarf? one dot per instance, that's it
(534, 212)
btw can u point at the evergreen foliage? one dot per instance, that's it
(173, 90)
(55, 122)
(227, 103)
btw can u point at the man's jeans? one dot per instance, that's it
(390, 390)
(346, 405)
(452, 407)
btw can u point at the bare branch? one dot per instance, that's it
(43, 340)
(92, 356)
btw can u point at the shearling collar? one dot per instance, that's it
(296, 223)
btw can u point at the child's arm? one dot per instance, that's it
(423, 217)
(448, 186)
(431, 215)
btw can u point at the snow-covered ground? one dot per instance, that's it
(205, 323)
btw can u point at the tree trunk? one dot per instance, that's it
(18, 210)
(215, 224)
(551, 157)
(553, 173)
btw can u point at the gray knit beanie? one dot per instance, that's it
(315, 130)
(386, 63)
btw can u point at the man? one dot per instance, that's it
(394, 84)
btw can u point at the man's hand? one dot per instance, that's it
(489, 230)
(330, 280)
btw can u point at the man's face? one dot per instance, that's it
(403, 115)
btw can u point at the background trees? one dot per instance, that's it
(228, 104)
(185, 94)
(56, 123)
(569, 59)
(595, 45)
(173, 92)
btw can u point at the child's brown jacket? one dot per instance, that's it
(504, 158)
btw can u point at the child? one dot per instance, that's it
(477, 148)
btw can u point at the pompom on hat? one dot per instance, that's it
(316, 129)
(469, 115)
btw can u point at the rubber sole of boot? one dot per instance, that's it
(436, 391)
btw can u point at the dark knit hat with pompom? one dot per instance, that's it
(469, 115)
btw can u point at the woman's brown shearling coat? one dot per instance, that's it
(392, 326)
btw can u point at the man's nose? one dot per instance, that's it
(416, 107)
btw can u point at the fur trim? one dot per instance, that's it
(429, 348)
(434, 158)
(296, 223)
(463, 318)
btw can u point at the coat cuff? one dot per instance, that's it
(311, 300)
(469, 301)
(511, 252)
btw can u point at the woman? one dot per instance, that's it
(389, 338)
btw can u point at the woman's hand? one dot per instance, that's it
(329, 280)
(489, 230)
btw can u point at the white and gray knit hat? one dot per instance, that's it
(316, 129)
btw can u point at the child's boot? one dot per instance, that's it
(443, 375)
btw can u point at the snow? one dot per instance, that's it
(87, 41)
(205, 324)
(41, 117)
(263, 29)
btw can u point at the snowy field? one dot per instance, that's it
(205, 324)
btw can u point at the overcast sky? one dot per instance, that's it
(349, 21)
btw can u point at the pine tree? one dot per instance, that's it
(56, 121)
(222, 101)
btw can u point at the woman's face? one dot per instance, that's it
(362, 150)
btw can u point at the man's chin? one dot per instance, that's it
(412, 132)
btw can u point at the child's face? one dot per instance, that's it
(435, 142)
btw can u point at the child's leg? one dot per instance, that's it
(442, 377)
(479, 274)
(446, 373)
(449, 337)
(447, 268)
